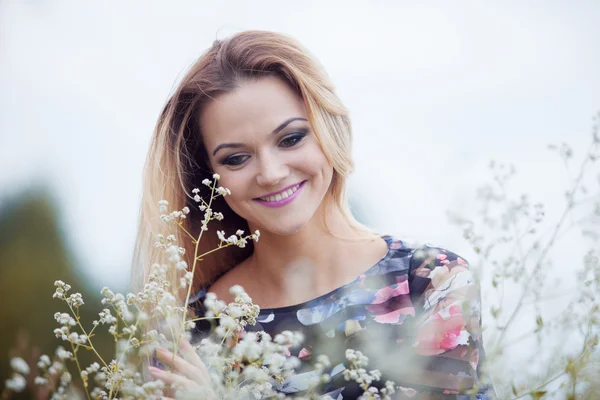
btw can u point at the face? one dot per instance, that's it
(260, 142)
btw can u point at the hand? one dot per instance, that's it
(188, 372)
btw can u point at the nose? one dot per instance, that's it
(271, 170)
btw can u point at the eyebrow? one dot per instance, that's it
(275, 131)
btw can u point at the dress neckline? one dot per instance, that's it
(312, 302)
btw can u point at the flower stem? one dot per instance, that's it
(85, 386)
(189, 291)
(185, 230)
(88, 336)
(549, 244)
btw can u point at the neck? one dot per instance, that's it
(306, 261)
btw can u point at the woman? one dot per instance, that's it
(260, 112)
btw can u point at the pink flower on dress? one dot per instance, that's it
(386, 293)
(443, 274)
(441, 333)
(394, 316)
(304, 353)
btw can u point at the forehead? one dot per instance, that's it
(255, 108)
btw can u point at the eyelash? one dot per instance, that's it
(297, 137)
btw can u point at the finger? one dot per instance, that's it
(190, 354)
(169, 378)
(183, 367)
(179, 382)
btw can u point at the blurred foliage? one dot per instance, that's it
(34, 254)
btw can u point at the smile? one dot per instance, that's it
(283, 197)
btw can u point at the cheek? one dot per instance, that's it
(239, 185)
(317, 164)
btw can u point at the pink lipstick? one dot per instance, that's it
(283, 197)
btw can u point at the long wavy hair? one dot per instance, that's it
(177, 160)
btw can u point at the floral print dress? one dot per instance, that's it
(415, 314)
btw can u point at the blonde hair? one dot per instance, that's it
(177, 161)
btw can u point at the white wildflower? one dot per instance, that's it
(236, 290)
(274, 362)
(61, 289)
(63, 354)
(40, 381)
(216, 177)
(65, 377)
(19, 365)
(223, 191)
(62, 333)
(322, 362)
(235, 311)
(64, 319)
(253, 373)
(163, 206)
(190, 325)
(44, 362)
(17, 383)
(106, 317)
(243, 298)
(75, 300)
(94, 367)
(181, 266)
(227, 323)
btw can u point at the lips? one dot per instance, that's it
(282, 197)
(282, 194)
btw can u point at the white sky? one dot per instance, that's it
(435, 91)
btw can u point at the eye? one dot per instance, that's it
(235, 160)
(292, 140)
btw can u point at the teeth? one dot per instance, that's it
(281, 196)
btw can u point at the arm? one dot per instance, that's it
(447, 338)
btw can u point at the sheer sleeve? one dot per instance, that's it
(447, 340)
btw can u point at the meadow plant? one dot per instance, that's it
(240, 364)
(511, 237)
(542, 321)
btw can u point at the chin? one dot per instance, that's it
(285, 228)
